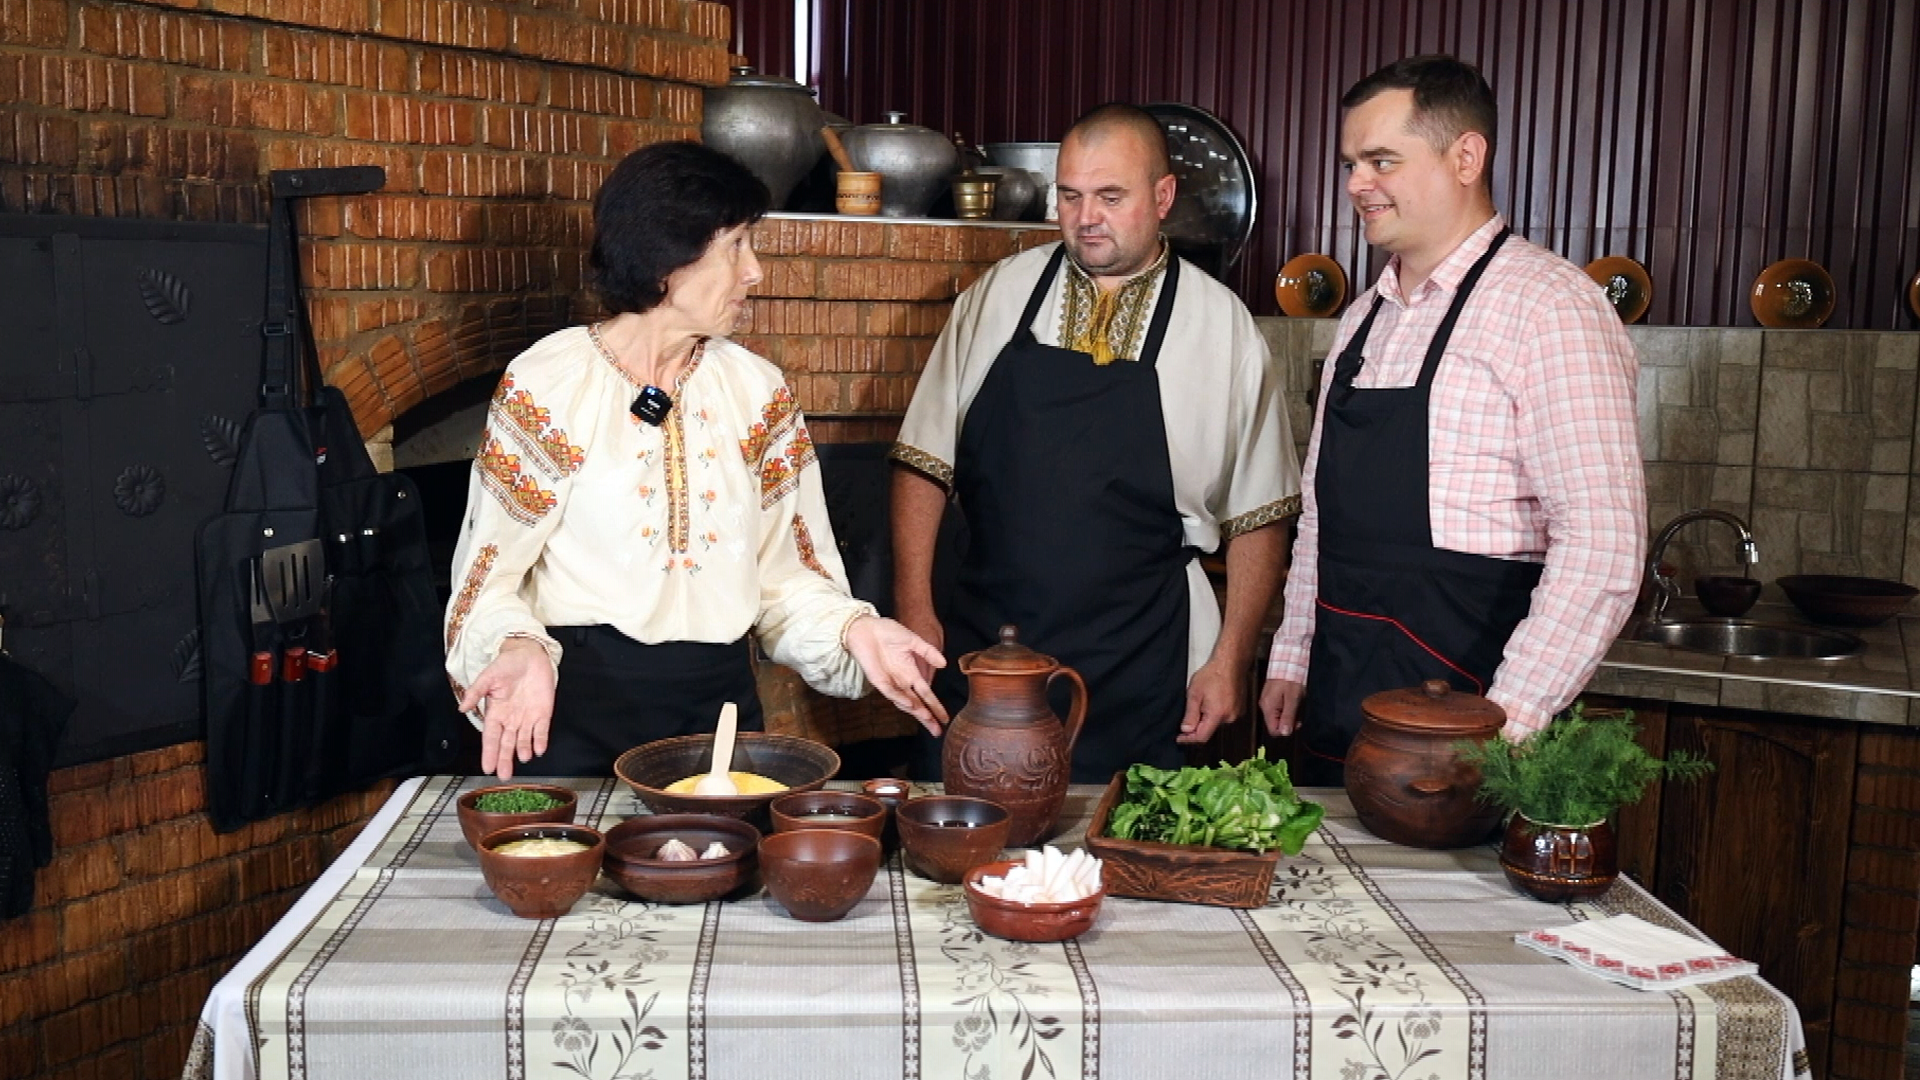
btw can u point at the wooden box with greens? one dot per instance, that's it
(1199, 836)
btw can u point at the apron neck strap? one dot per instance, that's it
(1441, 336)
(1162, 308)
(1040, 288)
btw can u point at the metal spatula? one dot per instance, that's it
(293, 575)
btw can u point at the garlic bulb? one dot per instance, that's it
(676, 851)
(715, 850)
(1047, 877)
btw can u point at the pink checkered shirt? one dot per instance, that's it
(1533, 453)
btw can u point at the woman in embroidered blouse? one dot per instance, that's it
(610, 566)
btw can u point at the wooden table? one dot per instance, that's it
(1370, 961)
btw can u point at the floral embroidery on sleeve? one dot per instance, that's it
(470, 591)
(779, 467)
(521, 496)
(776, 417)
(803, 542)
(532, 427)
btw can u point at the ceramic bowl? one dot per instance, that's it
(1027, 922)
(476, 823)
(819, 875)
(1629, 289)
(801, 764)
(944, 836)
(632, 843)
(1794, 294)
(541, 886)
(1846, 601)
(1726, 596)
(830, 810)
(1310, 286)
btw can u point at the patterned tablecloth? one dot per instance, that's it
(1370, 962)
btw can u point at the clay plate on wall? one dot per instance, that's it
(1913, 294)
(1629, 289)
(1310, 287)
(1792, 294)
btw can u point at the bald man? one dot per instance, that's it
(1100, 412)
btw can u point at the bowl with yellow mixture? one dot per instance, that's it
(765, 766)
(539, 870)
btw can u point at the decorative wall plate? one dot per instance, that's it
(1310, 286)
(1629, 289)
(1913, 294)
(1794, 294)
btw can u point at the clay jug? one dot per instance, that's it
(1007, 746)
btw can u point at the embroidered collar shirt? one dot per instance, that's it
(1228, 439)
(707, 526)
(1533, 453)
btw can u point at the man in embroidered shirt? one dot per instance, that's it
(1100, 412)
(1474, 502)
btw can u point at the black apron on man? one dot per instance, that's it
(1392, 609)
(1064, 479)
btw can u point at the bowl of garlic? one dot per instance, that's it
(681, 858)
(1047, 896)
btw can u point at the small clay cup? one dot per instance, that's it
(819, 875)
(857, 194)
(632, 843)
(1027, 922)
(944, 836)
(1726, 596)
(476, 823)
(893, 792)
(541, 886)
(845, 810)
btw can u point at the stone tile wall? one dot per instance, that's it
(1807, 435)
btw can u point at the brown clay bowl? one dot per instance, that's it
(801, 764)
(1726, 596)
(830, 810)
(476, 823)
(541, 886)
(1794, 294)
(1027, 922)
(1846, 601)
(1310, 287)
(1629, 289)
(819, 875)
(944, 836)
(632, 843)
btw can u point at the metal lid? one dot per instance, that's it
(1008, 658)
(1434, 708)
(747, 76)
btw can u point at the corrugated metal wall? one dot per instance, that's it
(1705, 138)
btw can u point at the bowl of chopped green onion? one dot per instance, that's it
(485, 810)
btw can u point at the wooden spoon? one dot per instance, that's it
(836, 148)
(717, 781)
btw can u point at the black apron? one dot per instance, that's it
(1393, 609)
(1063, 477)
(614, 693)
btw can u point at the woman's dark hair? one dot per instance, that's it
(657, 212)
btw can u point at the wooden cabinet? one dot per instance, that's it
(1755, 854)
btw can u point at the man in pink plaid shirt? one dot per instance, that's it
(1474, 505)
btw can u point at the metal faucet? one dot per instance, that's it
(1665, 591)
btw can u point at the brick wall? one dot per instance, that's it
(141, 912)
(1881, 915)
(495, 121)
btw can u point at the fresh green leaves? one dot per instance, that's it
(1576, 771)
(1246, 807)
(516, 801)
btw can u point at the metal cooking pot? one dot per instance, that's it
(914, 163)
(770, 124)
(1013, 193)
(1042, 159)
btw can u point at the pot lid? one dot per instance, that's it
(1008, 658)
(747, 76)
(1434, 708)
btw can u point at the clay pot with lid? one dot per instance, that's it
(1407, 784)
(1007, 746)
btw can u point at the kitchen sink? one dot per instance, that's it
(1742, 637)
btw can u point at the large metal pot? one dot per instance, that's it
(1042, 159)
(770, 124)
(1013, 193)
(914, 163)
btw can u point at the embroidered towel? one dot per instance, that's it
(1633, 952)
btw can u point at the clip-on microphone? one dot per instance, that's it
(652, 405)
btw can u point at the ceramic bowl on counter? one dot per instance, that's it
(476, 823)
(830, 810)
(1837, 600)
(944, 836)
(632, 857)
(541, 886)
(1016, 921)
(800, 764)
(1724, 595)
(819, 875)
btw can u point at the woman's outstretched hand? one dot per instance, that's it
(897, 662)
(518, 691)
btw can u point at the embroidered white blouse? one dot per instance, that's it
(707, 526)
(1228, 439)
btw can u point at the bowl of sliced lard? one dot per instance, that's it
(1046, 896)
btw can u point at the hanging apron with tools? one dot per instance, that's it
(1063, 476)
(318, 617)
(1393, 609)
